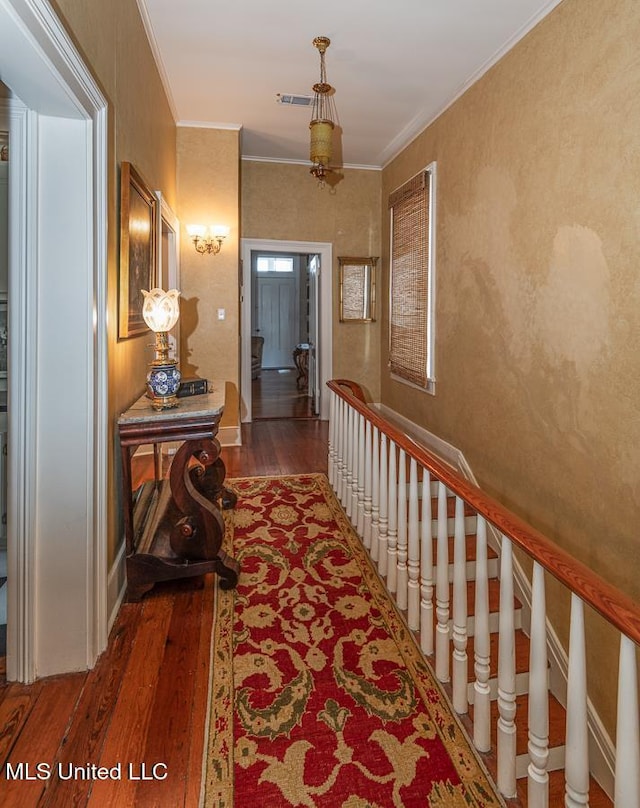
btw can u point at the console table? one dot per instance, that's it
(301, 361)
(174, 528)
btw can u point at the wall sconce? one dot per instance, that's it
(207, 239)
(160, 311)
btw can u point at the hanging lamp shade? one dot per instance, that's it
(321, 150)
(323, 117)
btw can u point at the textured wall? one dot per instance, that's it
(209, 188)
(538, 290)
(113, 42)
(283, 202)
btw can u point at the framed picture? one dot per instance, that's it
(3, 336)
(138, 256)
(357, 289)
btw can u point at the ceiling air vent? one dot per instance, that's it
(294, 100)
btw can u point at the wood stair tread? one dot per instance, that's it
(597, 797)
(557, 720)
(521, 649)
(470, 544)
(494, 597)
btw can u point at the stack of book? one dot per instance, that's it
(192, 386)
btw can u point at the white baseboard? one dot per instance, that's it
(116, 585)
(230, 435)
(602, 754)
(445, 451)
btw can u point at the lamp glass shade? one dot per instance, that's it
(160, 309)
(219, 231)
(198, 230)
(321, 147)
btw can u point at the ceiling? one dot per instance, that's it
(394, 65)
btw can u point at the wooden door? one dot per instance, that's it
(278, 318)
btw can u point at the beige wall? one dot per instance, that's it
(209, 188)
(113, 42)
(538, 290)
(283, 202)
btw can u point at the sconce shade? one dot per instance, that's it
(219, 231)
(160, 309)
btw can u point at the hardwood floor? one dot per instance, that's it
(144, 704)
(275, 394)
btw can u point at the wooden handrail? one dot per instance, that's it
(616, 607)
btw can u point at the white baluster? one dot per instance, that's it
(391, 570)
(506, 677)
(442, 589)
(402, 571)
(339, 463)
(375, 494)
(360, 486)
(576, 760)
(538, 778)
(481, 643)
(355, 480)
(426, 568)
(383, 522)
(627, 790)
(459, 633)
(345, 454)
(368, 467)
(413, 572)
(332, 426)
(348, 501)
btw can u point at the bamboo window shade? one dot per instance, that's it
(409, 308)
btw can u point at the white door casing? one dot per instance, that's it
(57, 471)
(313, 271)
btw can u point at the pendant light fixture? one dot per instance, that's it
(323, 118)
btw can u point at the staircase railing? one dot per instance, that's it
(386, 481)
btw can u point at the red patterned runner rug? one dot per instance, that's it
(319, 694)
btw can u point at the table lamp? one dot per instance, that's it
(160, 311)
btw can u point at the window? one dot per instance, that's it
(272, 263)
(412, 281)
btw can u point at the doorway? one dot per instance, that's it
(281, 330)
(312, 326)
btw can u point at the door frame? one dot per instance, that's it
(325, 251)
(57, 522)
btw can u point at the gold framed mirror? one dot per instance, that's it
(357, 281)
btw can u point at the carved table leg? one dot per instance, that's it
(212, 483)
(198, 535)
